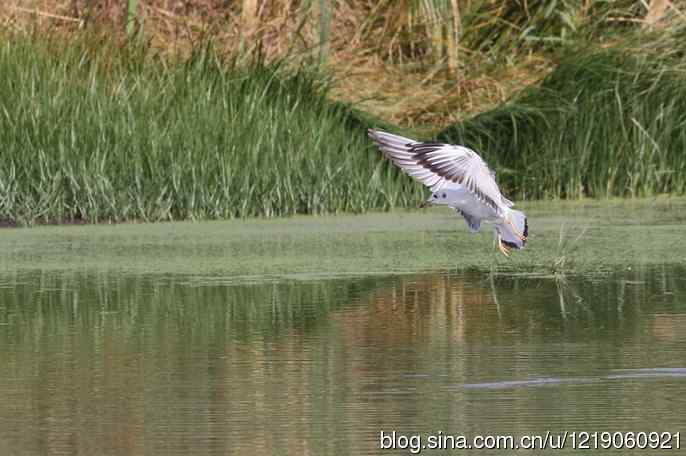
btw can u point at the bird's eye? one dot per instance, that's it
(435, 195)
(443, 195)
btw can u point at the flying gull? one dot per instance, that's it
(459, 178)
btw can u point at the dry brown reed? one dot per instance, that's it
(411, 62)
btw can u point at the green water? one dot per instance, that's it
(314, 335)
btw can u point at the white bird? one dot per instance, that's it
(459, 178)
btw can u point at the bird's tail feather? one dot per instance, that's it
(514, 226)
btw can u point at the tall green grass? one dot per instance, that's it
(94, 132)
(606, 122)
(98, 133)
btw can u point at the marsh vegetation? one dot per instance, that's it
(202, 122)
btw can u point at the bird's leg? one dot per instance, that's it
(504, 250)
(515, 230)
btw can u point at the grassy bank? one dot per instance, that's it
(95, 132)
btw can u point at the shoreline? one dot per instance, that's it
(565, 238)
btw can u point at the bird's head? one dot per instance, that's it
(439, 197)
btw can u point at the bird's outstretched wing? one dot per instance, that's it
(398, 150)
(437, 164)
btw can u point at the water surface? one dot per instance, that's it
(313, 335)
(110, 362)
